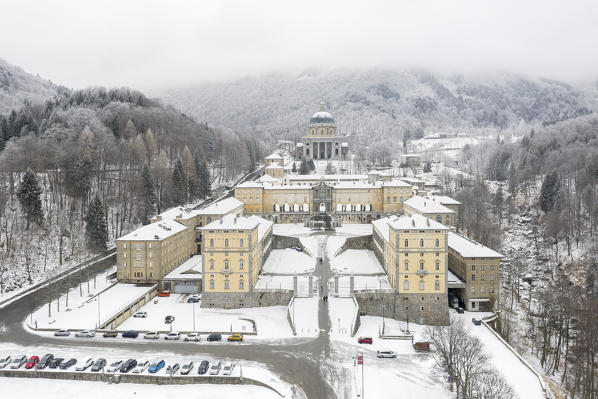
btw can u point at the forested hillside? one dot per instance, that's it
(86, 166)
(384, 104)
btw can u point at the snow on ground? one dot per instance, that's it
(361, 283)
(85, 311)
(304, 312)
(342, 312)
(274, 282)
(355, 229)
(313, 244)
(522, 380)
(59, 389)
(356, 261)
(288, 261)
(291, 229)
(334, 244)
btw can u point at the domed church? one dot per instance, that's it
(322, 140)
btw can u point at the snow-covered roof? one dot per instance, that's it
(357, 184)
(274, 165)
(154, 231)
(344, 144)
(380, 172)
(395, 183)
(427, 205)
(445, 200)
(178, 212)
(273, 156)
(299, 144)
(404, 222)
(230, 222)
(268, 179)
(221, 207)
(327, 177)
(412, 180)
(454, 281)
(469, 248)
(321, 117)
(188, 270)
(249, 184)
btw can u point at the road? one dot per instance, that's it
(305, 362)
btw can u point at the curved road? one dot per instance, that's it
(305, 362)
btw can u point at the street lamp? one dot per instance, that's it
(383, 306)
(98, 297)
(193, 315)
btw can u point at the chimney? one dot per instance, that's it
(413, 222)
(156, 237)
(427, 222)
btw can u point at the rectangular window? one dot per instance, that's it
(138, 256)
(406, 285)
(482, 290)
(437, 285)
(125, 245)
(482, 277)
(406, 265)
(211, 284)
(473, 268)
(473, 277)
(421, 285)
(150, 245)
(473, 290)
(125, 254)
(492, 277)
(492, 290)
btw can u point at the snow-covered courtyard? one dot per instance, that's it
(288, 261)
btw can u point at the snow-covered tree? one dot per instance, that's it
(29, 195)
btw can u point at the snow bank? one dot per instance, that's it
(288, 261)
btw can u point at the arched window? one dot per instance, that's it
(421, 265)
(437, 265)
(226, 243)
(241, 285)
(406, 285)
(437, 242)
(226, 284)
(226, 263)
(406, 265)
(211, 242)
(437, 285)
(211, 284)
(406, 242)
(241, 242)
(421, 242)
(241, 264)
(211, 264)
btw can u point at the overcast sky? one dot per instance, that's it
(152, 45)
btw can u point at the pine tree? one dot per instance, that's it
(203, 175)
(29, 195)
(95, 225)
(179, 180)
(147, 195)
(304, 169)
(550, 189)
(294, 167)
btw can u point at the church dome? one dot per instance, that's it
(322, 116)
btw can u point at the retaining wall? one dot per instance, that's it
(117, 319)
(246, 299)
(361, 242)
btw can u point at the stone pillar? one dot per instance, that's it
(311, 286)
(352, 285)
(295, 292)
(335, 285)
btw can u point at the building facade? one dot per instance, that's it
(430, 207)
(322, 140)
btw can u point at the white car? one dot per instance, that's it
(215, 369)
(186, 368)
(193, 337)
(18, 361)
(151, 335)
(386, 354)
(114, 366)
(86, 334)
(140, 314)
(173, 336)
(141, 366)
(5, 361)
(87, 364)
(228, 369)
(62, 333)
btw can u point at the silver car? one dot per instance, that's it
(228, 369)
(141, 367)
(62, 333)
(5, 361)
(173, 336)
(86, 334)
(18, 361)
(114, 366)
(186, 369)
(386, 354)
(193, 337)
(215, 369)
(87, 364)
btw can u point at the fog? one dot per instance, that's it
(153, 45)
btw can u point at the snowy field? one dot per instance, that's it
(288, 261)
(313, 244)
(356, 261)
(84, 311)
(305, 314)
(271, 321)
(354, 230)
(59, 389)
(361, 283)
(342, 312)
(285, 282)
(291, 229)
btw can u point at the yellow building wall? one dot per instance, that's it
(286, 196)
(353, 196)
(252, 199)
(393, 198)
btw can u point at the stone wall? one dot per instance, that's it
(282, 242)
(361, 242)
(400, 306)
(236, 300)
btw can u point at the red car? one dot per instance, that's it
(365, 340)
(164, 293)
(33, 360)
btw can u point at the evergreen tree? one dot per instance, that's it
(203, 174)
(147, 195)
(550, 189)
(311, 165)
(294, 167)
(29, 196)
(95, 225)
(179, 180)
(427, 167)
(304, 169)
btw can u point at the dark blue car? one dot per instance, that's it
(156, 366)
(130, 334)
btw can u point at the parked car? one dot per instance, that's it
(235, 337)
(128, 365)
(130, 334)
(98, 365)
(203, 367)
(365, 340)
(186, 368)
(214, 337)
(193, 337)
(477, 322)
(87, 364)
(141, 366)
(56, 362)
(151, 335)
(173, 336)
(114, 366)
(110, 334)
(164, 293)
(193, 299)
(45, 361)
(140, 314)
(5, 361)
(173, 368)
(33, 360)
(69, 363)
(62, 333)
(228, 369)
(86, 334)
(386, 354)
(460, 310)
(215, 369)
(168, 319)
(18, 361)
(156, 366)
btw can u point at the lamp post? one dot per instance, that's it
(383, 306)
(98, 297)
(193, 315)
